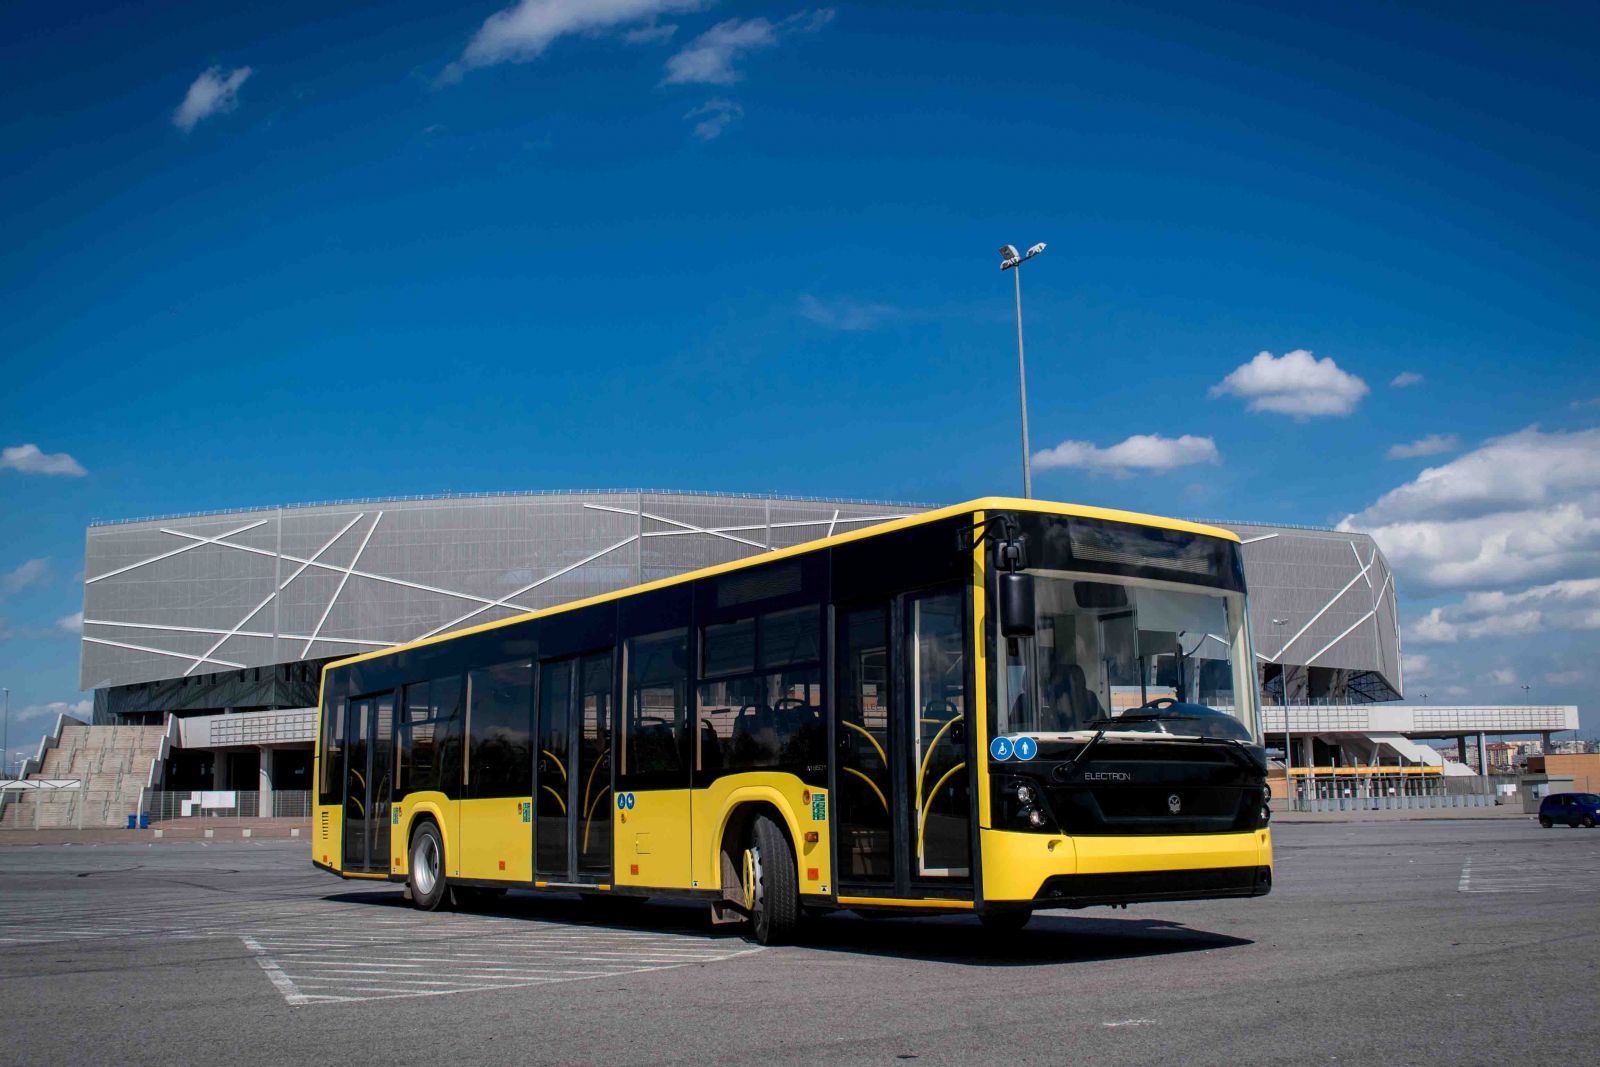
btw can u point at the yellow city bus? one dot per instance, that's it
(996, 707)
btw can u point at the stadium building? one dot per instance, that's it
(208, 631)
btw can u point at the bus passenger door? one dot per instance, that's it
(935, 674)
(572, 788)
(369, 783)
(864, 748)
(901, 787)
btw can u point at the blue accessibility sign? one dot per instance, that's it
(1000, 748)
(630, 800)
(624, 801)
(1026, 748)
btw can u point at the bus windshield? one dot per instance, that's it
(1129, 655)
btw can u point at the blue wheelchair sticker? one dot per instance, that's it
(1000, 748)
(1026, 748)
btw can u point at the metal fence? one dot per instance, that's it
(1393, 803)
(227, 805)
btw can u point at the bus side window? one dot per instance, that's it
(500, 756)
(657, 703)
(430, 737)
(769, 712)
(332, 786)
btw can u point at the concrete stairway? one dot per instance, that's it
(112, 763)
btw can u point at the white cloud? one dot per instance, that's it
(24, 575)
(212, 93)
(1523, 469)
(80, 709)
(844, 313)
(1570, 604)
(1150, 452)
(1296, 383)
(1501, 676)
(1564, 677)
(1405, 379)
(72, 624)
(1520, 508)
(709, 58)
(1432, 445)
(714, 115)
(1417, 666)
(523, 31)
(27, 459)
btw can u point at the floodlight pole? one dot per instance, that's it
(1012, 262)
(1022, 386)
(5, 738)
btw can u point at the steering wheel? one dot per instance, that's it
(1158, 704)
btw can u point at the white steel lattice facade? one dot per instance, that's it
(173, 598)
(170, 598)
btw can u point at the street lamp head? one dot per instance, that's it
(1035, 250)
(1009, 256)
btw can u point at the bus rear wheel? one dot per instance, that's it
(429, 889)
(771, 885)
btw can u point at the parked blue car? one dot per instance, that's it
(1574, 809)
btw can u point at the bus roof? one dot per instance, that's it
(987, 503)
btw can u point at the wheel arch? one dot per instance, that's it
(740, 812)
(425, 812)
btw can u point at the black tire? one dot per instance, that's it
(429, 887)
(1009, 921)
(1544, 821)
(1588, 822)
(772, 886)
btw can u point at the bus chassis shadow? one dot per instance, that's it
(1048, 939)
(1051, 938)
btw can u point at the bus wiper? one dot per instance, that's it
(1236, 748)
(1066, 772)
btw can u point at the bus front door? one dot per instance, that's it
(901, 792)
(572, 787)
(369, 783)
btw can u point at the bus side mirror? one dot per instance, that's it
(1016, 605)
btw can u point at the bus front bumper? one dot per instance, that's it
(1054, 870)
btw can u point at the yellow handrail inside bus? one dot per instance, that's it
(864, 732)
(590, 783)
(881, 798)
(559, 798)
(358, 777)
(922, 809)
(559, 765)
(588, 817)
(928, 755)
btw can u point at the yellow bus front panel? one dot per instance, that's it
(1017, 865)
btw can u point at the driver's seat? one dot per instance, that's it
(1075, 697)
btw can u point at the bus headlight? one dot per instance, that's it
(1022, 805)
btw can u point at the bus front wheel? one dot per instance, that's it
(771, 885)
(428, 887)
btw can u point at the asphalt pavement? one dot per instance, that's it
(1386, 942)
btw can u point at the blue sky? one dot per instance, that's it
(282, 254)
